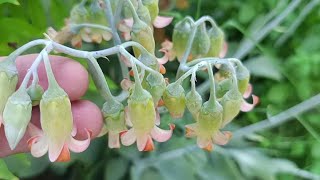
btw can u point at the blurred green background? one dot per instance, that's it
(277, 40)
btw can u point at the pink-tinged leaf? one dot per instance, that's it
(165, 57)
(191, 130)
(34, 130)
(248, 91)
(128, 22)
(64, 155)
(224, 50)
(246, 107)
(158, 118)
(126, 84)
(161, 135)
(79, 145)
(127, 117)
(203, 142)
(149, 145)
(162, 21)
(142, 142)
(222, 138)
(129, 137)
(39, 146)
(113, 140)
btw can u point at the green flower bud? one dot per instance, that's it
(8, 81)
(175, 100)
(142, 112)
(194, 103)
(156, 85)
(113, 113)
(216, 36)
(142, 34)
(210, 119)
(201, 42)
(231, 103)
(223, 87)
(16, 116)
(153, 7)
(181, 33)
(143, 13)
(35, 92)
(243, 77)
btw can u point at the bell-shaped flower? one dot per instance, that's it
(206, 129)
(56, 136)
(216, 36)
(231, 103)
(141, 115)
(156, 85)
(201, 43)
(194, 102)
(8, 82)
(16, 116)
(114, 117)
(175, 100)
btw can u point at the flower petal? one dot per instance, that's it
(246, 107)
(34, 130)
(126, 84)
(161, 135)
(79, 145)
(149, 145)
(224, 50)
(129, 137)
(106, 35)
(104, 131)
(162, 21)
(128, 22)
(222, 138)
(162, 69)
(142, 142)
(203, 142)
(74, 130)
(165, 58)
(113, 140)
(191, 130)
(39, 146)
(248, 91)
(127, 117)
(158, 118)
(1, 120)
(208, 148)
(64, 155)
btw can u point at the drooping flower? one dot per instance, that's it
(8, 83)
(141, 116)
(175, 100)
(16, 116)
(56, 136)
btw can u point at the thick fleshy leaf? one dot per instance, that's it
(162, 21)
(142, 142)
(39, 146)
(149, 145)
(222, 138)
(64, 155)
(191, 130)
(246, 107)
(161, 135)
(248, 91)
(129, 137)
(79, 146)
(113, 140)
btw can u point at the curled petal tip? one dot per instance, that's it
(161, 135)
(126, 84)
(162, 21)
(80, 145)
(246, 107)
(208, 148)
(149, 145)
(162, 69)
(160, 103)
(128, 137)
(248, 91)
(165, 58)
(64, 155)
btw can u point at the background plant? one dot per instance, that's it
(271, 67)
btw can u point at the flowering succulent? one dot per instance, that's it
(56, 136)
(8, 82)
(181, 33)
(153, 8)
(201, 42)
(35, 92)
(216, 36)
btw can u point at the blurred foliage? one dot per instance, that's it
(282, 75)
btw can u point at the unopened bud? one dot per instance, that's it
(175, 100)
(194, 103)
(216, 36)
(181, 33)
